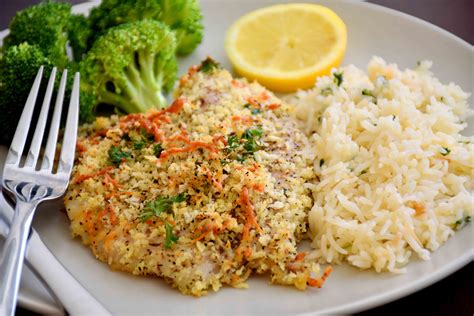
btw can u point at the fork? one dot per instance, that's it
(30, 184)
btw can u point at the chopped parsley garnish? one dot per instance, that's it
(368, 93)
(162, 204)
(148, 137)
(232, 142)
(251, 135)
(364, 171)
(462, 222)
(255, 111)
(252, 132)
(139, 144)
(170, 238)
(326, 91)
(444, 151)
(117, 155)
(208, 65)
(157, 150)
(338, 78)
(250, 143)
(321, 162)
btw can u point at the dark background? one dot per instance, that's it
(455, 294)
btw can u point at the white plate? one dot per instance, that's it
(373, 30)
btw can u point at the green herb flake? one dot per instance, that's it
(326, 91)
(232, 142)
(338, 78)
(208, 65)
(368, 93)
(462, 222)
(170, 238)
(252, 109)
(256, 111)
(444, 151)
(162, 204)
(364, 171)
(117, 155)
(251, 135)
(321, 163)
(148, 137)
(138, 145)
(252, 132)
(157, 150)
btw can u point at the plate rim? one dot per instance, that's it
(370, 301)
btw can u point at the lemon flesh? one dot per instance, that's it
(285, 47)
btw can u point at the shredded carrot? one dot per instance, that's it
(273, 106)
(260, 187)
(176, 106)
(102, 213)
(180, 137)
(192, 70)
(300, 257)
(183, 80)
(101, 133)
(108, 239)
(109, 179)
(238, 84)
(264, 96)
(251, 220)
(189, 148)
(80, 147)
(253, 103)
(150, 123)
(215, 182)
(112, 216)
(83, 177)
(219, 137)
(320, 281)
(254, 167)
(243, 119)
(207, 229)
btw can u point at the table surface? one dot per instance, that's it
(453, 295)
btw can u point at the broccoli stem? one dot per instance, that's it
(142, 88)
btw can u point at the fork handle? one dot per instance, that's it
(13, 254)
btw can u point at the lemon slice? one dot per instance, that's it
(285, 47)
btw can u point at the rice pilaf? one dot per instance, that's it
(395, 174)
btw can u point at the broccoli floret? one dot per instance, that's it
(79, 32)
(129, 67)
(44, 25)
(182, 16)
(18, 68)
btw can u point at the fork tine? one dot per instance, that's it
(19, 140)
(66, 160)
(50, 150)
(35, 146)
